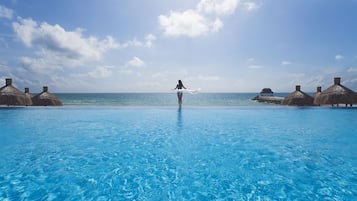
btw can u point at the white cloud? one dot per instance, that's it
(217, 7)
(188, 23)
(38, 65)
(6, 12)
(57, 48)
(132, 43)
(136, 62)
(57, 53)
(203, 19)
(285, 63)
(149, 39)
(339, 57)
(45, 62)
(250, 5)
(68, 44)
(101, 72)
(217, 25)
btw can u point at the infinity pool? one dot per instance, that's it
(170, 153)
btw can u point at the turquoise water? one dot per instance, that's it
(160, 99)
(171, 153)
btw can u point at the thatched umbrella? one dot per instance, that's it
(266, 92)
(316, 95)
(46, 99)
(27, 93)
(9, 95)
(298, 98)
(337, 94)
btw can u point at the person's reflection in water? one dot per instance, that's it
(179, 118)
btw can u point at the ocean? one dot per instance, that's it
(160, 99)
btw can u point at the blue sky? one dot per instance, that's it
(146, 46)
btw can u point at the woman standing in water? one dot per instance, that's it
(179, 88)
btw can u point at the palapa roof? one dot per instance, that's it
(9, 95)
(298, 98)
(45, 98)
(337, 94)
(316, 95)
(27, 93)
(266, 91)
(318, 92)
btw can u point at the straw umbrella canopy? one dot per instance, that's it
(27, 93)
(337, 94)
(266, 92)
(46, 99)
(9, 95)
(298, 98)
(316, 95)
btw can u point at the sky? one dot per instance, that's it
(146, 46)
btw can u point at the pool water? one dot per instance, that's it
(170, 153)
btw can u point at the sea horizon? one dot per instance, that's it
(160, 99)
